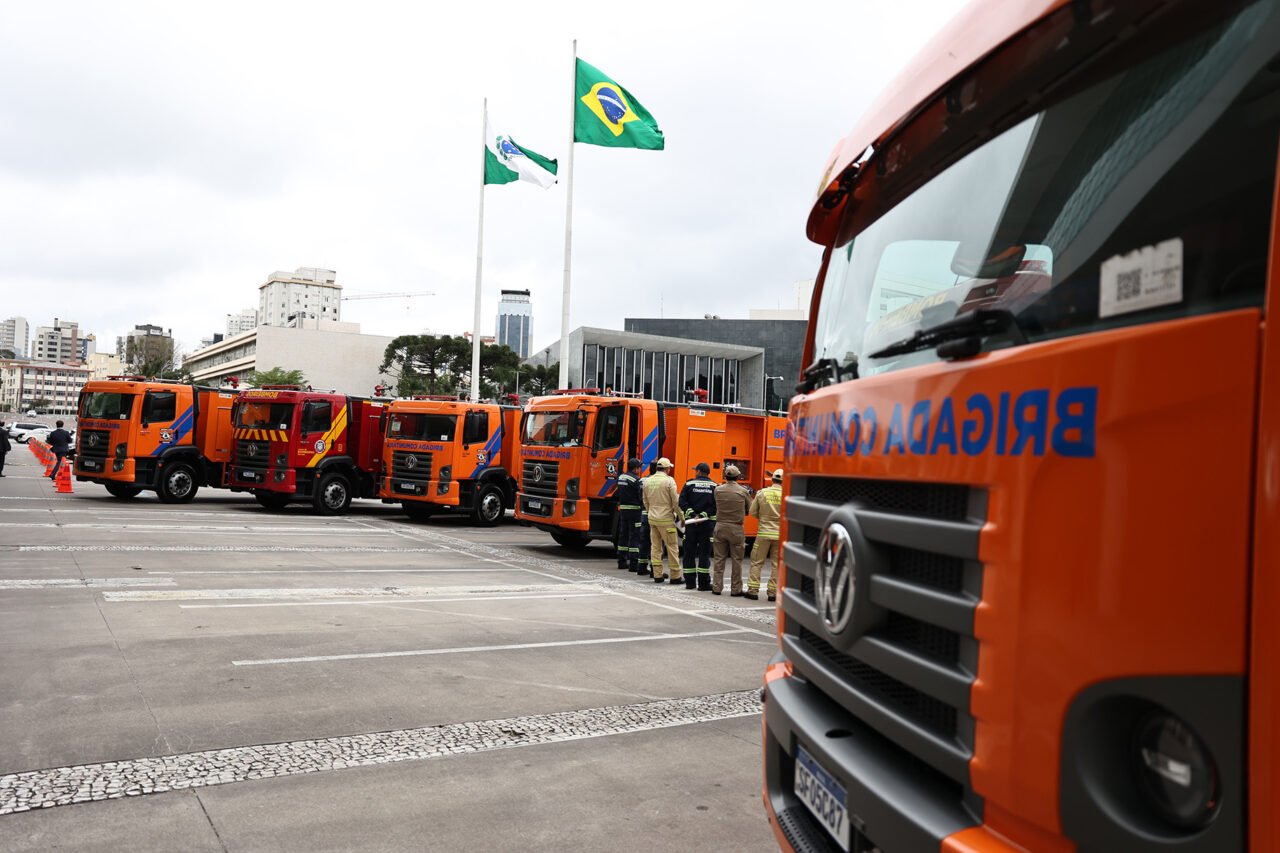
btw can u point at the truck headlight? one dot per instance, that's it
(282, 459)
(571, 489)
(1175, 771)
(446, 473)
(122, 450)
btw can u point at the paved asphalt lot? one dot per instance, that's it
(216, 677)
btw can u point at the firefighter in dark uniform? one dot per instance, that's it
(626, 540)
(698, 501)
(643, 568)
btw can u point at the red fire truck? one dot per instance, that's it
(296, 445)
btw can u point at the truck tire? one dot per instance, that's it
(332, 495)
(571, 539)
(418, 511)
(271, 500)
(489, 507)
(178, 483)
(122, 491)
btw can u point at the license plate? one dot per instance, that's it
(248, 475)
(823, 796)
(88, 465)
(534, 504)
(408, 487)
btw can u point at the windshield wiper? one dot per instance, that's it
(966, 331)
(826, 370)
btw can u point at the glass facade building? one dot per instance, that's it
(515, 321)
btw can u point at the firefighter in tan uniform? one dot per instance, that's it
(732, 503)
(662, 500)
(767, 507)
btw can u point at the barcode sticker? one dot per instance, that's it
(1144, 278)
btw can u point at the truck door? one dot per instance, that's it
(317, 419)
(606, 450)
(477, 449)
(162, 426)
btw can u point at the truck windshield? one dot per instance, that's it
(1144, 197)
(553, 429)
(422, 427)
(264, 414)
(107, 404)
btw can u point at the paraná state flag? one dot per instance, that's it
(606, 114)
(505, 161)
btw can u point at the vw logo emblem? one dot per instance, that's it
(834, 582)
(538, 473)
(92, 440)
(252, 450)
(411, 462)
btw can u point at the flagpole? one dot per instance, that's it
(475, 326)
(568, 231)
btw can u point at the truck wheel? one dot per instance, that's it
(121, 491)
(271, 500)
(177, 484)
(333, 495)
(489, 507)
(571, 539)
(418, 511)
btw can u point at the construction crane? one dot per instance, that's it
(389, 295)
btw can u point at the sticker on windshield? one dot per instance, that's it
(1144, 278)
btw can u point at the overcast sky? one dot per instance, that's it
(159, 160)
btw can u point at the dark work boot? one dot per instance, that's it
(754, 596)
(690, 581)
(704, 582)
(675, 581)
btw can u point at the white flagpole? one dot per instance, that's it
(475, 326)
(568, 232)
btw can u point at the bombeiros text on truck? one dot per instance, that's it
(1031, 522)
(139, 434)
(319, 447)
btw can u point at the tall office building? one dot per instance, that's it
(14, 335)
(306, 293)
(59, 343)
(146, 347)
(515, 321)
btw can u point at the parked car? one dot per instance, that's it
(22, 430)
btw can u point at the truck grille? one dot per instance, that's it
(260, 458)
(94, 444)
(410, 472)
(905, 664)
(545, 487)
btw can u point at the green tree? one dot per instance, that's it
(277, 376)
(427, 364)
(7, 353)
(499, 366)
(539, 379)
(40, 404)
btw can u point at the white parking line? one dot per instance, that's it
(86, 583)
(469, 649)
(387, 571)
(396, 600)
(313, 593)
(180, 528)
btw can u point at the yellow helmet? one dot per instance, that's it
(777, 476)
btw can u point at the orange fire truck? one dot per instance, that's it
(136, 434)
(575, 443)
(1032, 520)
(315, 446)
(443, 453)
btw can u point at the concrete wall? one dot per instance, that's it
(781, 340)
(342, 361)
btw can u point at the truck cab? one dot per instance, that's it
(296, 445)
(573, 445)
(136, 435)
(441, 453)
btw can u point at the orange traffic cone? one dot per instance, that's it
(48, 463)
(63, 484)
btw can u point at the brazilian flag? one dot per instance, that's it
(607, 114)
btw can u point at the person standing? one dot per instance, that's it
(733, 502)
(767, 507)
(630, 504)
(645, 565)
(60, 444)
(663, 503)
(5, 446)
(698, 503)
